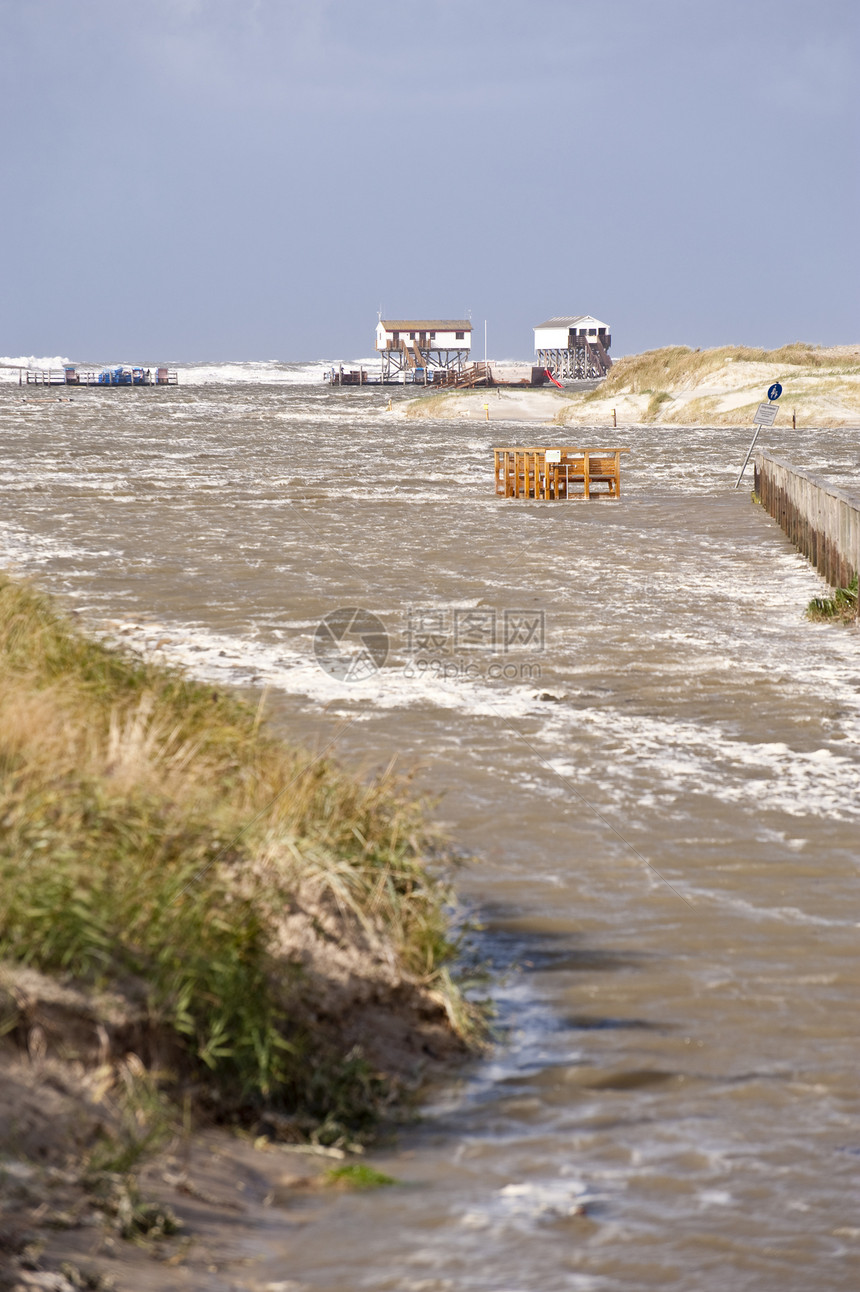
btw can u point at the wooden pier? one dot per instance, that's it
(120, 376)
(476, 374)
(471, 377)
(556, 474)
(341, 376)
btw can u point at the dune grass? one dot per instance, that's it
(679, 367)
(655, 403)
(424, 405)
(155, 838)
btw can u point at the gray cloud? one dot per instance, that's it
(241, 178)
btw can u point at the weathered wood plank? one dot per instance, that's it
(821, 520)
(524, 472)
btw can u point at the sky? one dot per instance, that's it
(190, 180)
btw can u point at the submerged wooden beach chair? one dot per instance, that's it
(553, 474)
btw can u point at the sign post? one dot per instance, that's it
(765, 416)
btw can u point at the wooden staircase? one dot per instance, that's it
(598, 355)
(413, 356)
(478, 374)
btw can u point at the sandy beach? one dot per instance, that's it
(676, 386)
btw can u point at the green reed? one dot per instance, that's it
(154, 837)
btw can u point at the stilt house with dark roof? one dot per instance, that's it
(422, 346)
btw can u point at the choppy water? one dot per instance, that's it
(668, 848)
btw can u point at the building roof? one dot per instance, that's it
(426, 325)
(574, 321)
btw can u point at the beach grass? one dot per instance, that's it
(723, 386)
(655, 403)
(679, 367)
(158, 841)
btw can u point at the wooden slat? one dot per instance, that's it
(523, 472)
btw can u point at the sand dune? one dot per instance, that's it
(680, 386)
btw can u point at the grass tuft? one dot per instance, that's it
(140, 1119)
(842, 606)
(358, 1176)
(155, 838)
(656, 402)
(133, 1217)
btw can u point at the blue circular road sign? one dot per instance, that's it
(774, 391)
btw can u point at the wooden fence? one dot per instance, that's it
(822, 521)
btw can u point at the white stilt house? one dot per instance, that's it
(575, 347)
(413, 349)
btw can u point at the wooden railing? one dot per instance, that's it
(477, 374)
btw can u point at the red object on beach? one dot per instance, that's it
(553, 380)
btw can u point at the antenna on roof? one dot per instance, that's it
(469, 315)
(379, 314)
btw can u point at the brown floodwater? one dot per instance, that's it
(652, 755)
